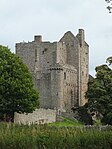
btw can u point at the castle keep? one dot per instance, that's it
(59, 69)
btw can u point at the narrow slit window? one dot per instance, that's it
(64, 75)
(35, 55)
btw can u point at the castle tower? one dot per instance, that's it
(83, 66)
(59, 69)
(78, 56)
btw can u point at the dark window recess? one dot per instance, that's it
(64, 75)
(45, 49)
(82, 73)
(35, 55)
(72, 98)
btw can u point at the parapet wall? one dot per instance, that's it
(39, 116)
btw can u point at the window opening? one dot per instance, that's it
(64, 75)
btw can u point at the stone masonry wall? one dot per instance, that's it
(73, 59)
(78, 56)
(84, 73)
(40, 116)
(59, 69)
(84, 66)
(69, 87)
(27, 53)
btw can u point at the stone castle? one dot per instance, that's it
(59, 69)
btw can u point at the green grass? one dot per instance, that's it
(51, 137)
(66, 122)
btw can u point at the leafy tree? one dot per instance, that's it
(109, 60)
(109, 7)
(99, 93)
(16, 86)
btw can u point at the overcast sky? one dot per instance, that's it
(22, 19)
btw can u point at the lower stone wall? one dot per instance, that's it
(39, 116)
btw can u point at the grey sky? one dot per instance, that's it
(22, 19)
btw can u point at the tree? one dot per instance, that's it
(109, 60)
(82, 115)
(16, 86)
(109, 7)
(99, 93)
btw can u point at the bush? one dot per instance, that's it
(107, 119)
(83, 115)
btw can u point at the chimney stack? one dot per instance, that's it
(38, 38)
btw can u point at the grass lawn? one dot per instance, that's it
(66, 122)
(13, 136)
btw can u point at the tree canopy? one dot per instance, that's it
(16, 86)
(109, 7)
(99, 97)
(99, 93)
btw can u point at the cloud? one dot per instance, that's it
(21, 20)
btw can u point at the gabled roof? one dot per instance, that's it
(67, 35)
